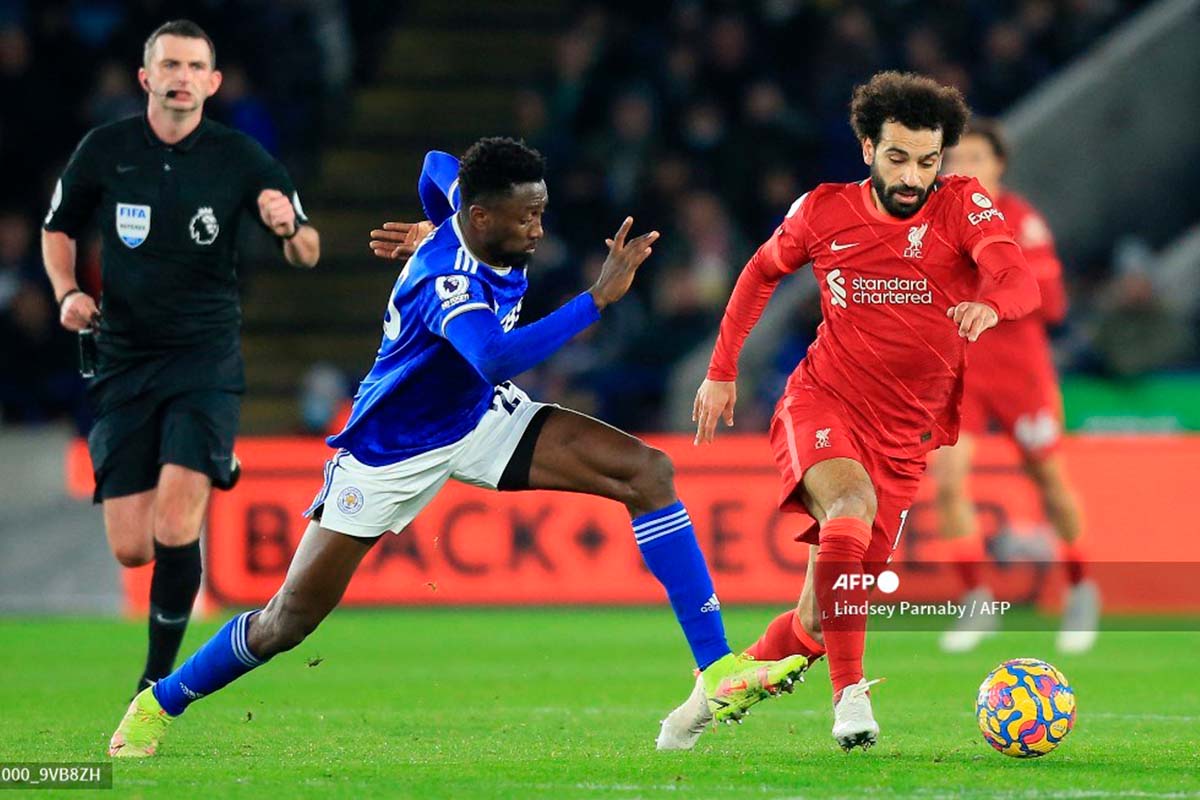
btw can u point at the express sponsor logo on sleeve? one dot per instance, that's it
(989, 212)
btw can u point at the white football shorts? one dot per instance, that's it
(366, 501)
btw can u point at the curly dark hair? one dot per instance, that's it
(913, 100)
(492, 166)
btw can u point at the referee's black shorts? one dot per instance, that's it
(193, 429)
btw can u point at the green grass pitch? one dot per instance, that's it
(535, 703)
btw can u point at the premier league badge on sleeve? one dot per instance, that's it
(452, 289)
(133, 224)
(449, 286)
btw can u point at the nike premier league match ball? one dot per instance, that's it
(1025, 708)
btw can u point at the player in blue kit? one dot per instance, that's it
(437, 405)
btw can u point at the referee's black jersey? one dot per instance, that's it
(168, 215)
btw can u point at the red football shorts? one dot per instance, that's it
(809, 427)
(1018, 391)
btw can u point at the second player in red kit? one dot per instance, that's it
(911, 267)
(1012, 384)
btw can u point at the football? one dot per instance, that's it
(1025, 708)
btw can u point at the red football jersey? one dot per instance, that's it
(885, 347)
(1015, 341)
(1011, 375)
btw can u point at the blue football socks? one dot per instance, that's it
(669, 548)
(222, 660)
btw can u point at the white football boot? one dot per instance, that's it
(683, 726)
(1081, 618)
(854, 724)
(970, 629)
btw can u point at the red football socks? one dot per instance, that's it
(968, 555)
(785, 636)
(1072, 560)
(842, 597)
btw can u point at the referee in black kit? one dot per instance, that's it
(167, 191)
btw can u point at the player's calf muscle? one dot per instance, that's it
(283, 624)
(129, 527)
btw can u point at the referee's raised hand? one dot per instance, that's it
(277, 212)
(78, 311)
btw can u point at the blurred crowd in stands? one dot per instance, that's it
(676, 113)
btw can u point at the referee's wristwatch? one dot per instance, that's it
(295, 230)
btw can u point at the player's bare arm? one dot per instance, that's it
(714, 400)
(624, 258)
(301, 243)
(397, 241)
(77, 309)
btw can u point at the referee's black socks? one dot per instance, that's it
(173, 591)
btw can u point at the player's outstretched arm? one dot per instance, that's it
(717, 396)
(499, 356)
(397, 241)
(714, 400)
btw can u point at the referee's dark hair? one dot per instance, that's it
(914, 101)
(179, 27)
(492, 166)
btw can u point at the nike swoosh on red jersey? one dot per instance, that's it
(835, 246)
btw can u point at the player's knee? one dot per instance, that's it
(653, 484)
(174, 530)
(949, 491)
(1043, 475)
(857, 502)
(133, 553)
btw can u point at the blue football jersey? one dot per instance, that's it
(421, 394)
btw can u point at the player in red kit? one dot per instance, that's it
(1012, 382)
(911, 267)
